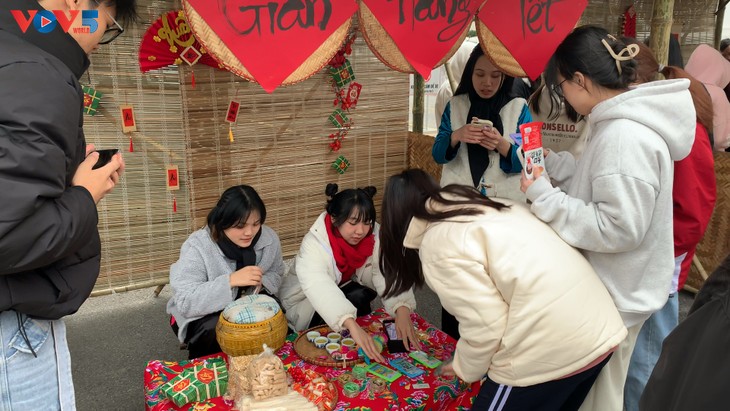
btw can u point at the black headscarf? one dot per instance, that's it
(485, 109)
(243, 256)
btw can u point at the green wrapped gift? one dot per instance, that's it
(203, 381)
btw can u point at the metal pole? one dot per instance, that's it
(419, 85)
(719, 21)
(661, 29)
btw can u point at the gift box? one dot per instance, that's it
(343, 74)
(202, 382)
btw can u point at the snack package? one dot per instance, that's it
(204, 381)
(238, 382)
(267, 375)
(534, 163)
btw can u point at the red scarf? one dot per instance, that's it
(348, 257)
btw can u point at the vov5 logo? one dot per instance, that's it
(45, 21)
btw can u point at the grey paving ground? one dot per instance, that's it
(112, 338)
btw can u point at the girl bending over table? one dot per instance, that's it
(336, 270)
(233, 255)
(533, 315)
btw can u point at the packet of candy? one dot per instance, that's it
(534, 164)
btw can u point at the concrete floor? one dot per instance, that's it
(113, 337)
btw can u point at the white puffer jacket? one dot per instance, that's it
(312, 283)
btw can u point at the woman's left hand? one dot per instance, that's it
(494, 141)
(404, 329)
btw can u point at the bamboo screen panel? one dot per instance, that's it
(280, 148)
(281, 141)
(696, 17)
(140, 233)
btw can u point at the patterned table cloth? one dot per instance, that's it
(443, 393)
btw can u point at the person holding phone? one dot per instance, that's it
(473, 141)
(533, 314)
(50, 249)
(235, 254)
(335, 276)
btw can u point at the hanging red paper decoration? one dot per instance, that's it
(629, 22)
(169, 41)
(527, 32)
(243, 35)
(410, 37)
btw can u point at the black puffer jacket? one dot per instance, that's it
(49, 244)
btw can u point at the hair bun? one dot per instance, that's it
(331, 190)
(370, 191)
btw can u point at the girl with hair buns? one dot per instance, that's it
(615, 204)
(235, 254)
(336, 275)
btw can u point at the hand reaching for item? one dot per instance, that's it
(364, 340)
(405, 330)
(249, 275)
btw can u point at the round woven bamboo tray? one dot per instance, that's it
(225, 57)
(319, 356)
(497, 52)
(383, 46)
(248, 339)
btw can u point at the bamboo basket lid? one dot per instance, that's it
(225, 57)
(497, 53)
(383, 46)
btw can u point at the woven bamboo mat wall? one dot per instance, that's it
(281, 141)
(141, 235)
(696, 17)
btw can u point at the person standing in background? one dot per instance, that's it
(50, 249)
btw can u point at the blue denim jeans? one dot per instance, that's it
(647, 350)
(28, 382)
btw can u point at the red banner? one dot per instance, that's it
(424, 30)
(532, 29)
(272, 38)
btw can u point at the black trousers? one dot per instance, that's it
(566, 394)
(200, 336)
(449, 324)
(359, 295)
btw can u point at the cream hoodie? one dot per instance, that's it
(530, 307)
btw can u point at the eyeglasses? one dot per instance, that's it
(112, 32)
(557, 89)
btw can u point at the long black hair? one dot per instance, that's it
(340, 205)
(583, 51)
(405, 198)
(233, 208)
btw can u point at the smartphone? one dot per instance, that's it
(486, 124)
(394, 344)
(105, 156)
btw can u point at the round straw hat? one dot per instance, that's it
(497, 52)
(218, 49)
(383, 46)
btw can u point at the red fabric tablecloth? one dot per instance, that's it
(443, 393)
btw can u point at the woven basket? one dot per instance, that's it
(715, 245)
(419, 154)
(497, 52)
(383, 46)
(248, 339)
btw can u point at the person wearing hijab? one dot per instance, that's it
(709, 67)
(483, 157)
(235, 254)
